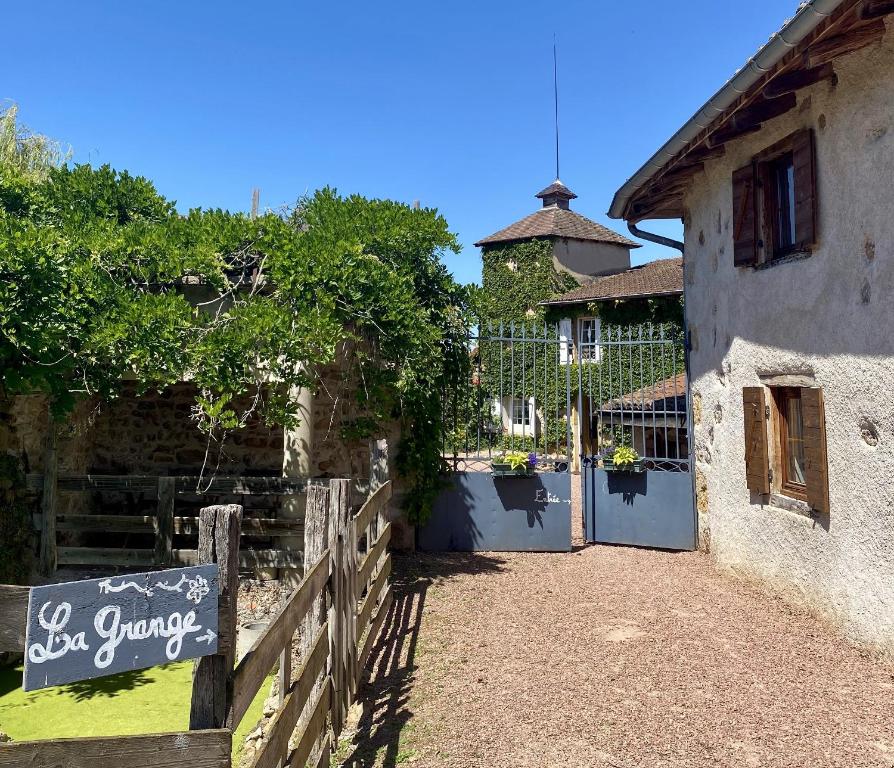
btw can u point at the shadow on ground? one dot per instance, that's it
(385, 697)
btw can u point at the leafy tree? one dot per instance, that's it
(102, 279)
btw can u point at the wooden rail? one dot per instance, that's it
(313, 703)
(163, 525)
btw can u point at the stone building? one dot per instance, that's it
(783, 183)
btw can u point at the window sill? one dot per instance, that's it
(787, 503)
(788, 259)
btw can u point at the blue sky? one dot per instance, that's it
(448, 103)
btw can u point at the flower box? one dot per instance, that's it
(504, 469)
(609, 465)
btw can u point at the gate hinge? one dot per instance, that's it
(767, 412)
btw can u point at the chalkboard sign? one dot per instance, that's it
(84, 629)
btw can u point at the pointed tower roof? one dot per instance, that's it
(556, 194)
(556, 219)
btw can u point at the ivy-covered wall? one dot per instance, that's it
(515, 277)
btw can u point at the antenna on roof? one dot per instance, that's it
(556, 100)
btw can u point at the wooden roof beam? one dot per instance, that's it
(874, 9)
(852, 40)
(795, 80)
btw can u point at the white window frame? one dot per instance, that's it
(589, 349)
(527, 412)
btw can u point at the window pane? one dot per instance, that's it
(784, 171)
(795, 437)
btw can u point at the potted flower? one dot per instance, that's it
(622, 459)
(514, 464)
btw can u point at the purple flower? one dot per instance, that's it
(532, 459)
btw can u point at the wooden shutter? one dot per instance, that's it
(757, 459)
(744, 216)
(816, 468)
(804, 161)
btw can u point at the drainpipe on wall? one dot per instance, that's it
(653, 238)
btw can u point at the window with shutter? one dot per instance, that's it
(757, 459)
(744, 216)
(775, 202)
(816, 468)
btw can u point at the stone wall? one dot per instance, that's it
(153, 434)
(826, 317)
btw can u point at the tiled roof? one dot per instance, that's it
(557, 222)
(669, 395)
(557, 188)
(657, 278)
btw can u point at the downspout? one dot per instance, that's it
(653, 238)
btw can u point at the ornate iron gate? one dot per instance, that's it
(517, 398)
(633, 392)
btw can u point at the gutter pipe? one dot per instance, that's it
(653, 238)
(802, 24)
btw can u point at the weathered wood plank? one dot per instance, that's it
(316, 542)
(251, 526)
(13, 618)
(325, 756)
(372, 557)
(340, 513)
(372, 598)
(373, 505)
(312, 732)
(164, 520)
(255, 665)
(148, 484)
(248, 560)
(106, 556)
(218, 542)
(48, 553)
(851, 40)
(275, 748)
(107, 523)
(375, 626)
(193, 749)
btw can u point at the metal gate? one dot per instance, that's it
(633, 392)
(515, 399)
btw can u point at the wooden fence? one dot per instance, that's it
(162, 526)
(341, 602)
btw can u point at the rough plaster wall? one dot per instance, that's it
(584, 259)
(828, 315)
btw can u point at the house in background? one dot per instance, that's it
(783, 182)
(543, 254)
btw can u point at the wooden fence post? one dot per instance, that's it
(219, 529)
(316, 540)
(164, 521)
(339, 639)
(48, 503)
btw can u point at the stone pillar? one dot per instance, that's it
(297, 462)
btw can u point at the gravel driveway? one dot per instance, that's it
(612, 656)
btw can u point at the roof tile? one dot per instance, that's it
(557, 222)
(663, 277)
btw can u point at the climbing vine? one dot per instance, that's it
(101, 279)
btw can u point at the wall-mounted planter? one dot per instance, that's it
(500, 469)
(636, 467)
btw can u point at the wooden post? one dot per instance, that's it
(219, 529)
(339, 513)
(164, 521)
(48, 503)
(316, 540)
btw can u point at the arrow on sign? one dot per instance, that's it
(208, 637)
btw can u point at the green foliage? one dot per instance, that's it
(101, 279)
(516, 277)
(515, 459)
(623, 456)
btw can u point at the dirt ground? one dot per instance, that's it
(612, 656)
